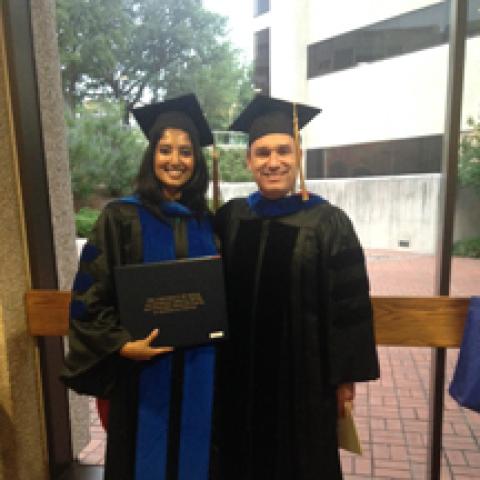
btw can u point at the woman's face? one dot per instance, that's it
(173, 160)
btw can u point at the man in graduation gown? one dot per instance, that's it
(300, 315)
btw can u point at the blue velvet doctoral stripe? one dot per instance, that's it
(283, 206)
(155, 378)
(77, 309)
(194, 455)
(83, 281)
(89, 253)
(153, 419)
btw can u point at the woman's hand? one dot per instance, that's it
(141, 349)
(345, 393)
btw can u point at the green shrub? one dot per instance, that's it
(104, 152)
(233, 164)
(467, 248)
(469, 157)
(85, 218)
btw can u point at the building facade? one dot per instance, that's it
(377, 69)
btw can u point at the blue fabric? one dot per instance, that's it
(465, 386)
(157, 237)
(283, 206)
(176, 209)
(83, 281)
(131, 199)
(89, 253)
(194, 455)
(197, 402)
(155, 378)
(153, 417)
(77, 309)
(171, 208)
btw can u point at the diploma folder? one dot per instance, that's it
(184, 299)
(347, 433)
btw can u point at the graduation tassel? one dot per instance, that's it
(296, 137)
(215, 178)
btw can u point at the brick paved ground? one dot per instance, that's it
(392, 413)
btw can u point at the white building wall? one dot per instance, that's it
(288, 40)
(395, 98)
(471, 81)
(399, 97)
(328, 19)
(387, 210)
(383, 210)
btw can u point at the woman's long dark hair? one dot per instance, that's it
(149, 188)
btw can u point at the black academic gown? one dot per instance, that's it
(93, 365)
(300, 324)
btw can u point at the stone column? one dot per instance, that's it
(56, 155)
(23, 443)
(23, 453)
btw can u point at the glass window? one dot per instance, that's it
(392, 157)
(261, 6)
(410, 32)
(343, 52)
(320, 58)
(261, 61)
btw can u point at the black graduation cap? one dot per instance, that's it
(264, 115)
(182, 112)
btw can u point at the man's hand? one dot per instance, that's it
(141, 349)
(345, 393)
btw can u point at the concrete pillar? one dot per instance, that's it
(56, 154)
(23, 453)
(23, 443)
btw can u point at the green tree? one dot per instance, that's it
(92, 36)
(232, 163)
(128, 50)
(469, 157)
(104, 153)
(223, 85)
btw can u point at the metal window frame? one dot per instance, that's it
(257, 11)
(313, 67)
(448, 193)
(257, 42)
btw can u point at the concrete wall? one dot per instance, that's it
(23, 443)
(388, 210)
(58, 173)
(23, 453)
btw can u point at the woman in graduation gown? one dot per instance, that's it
(300, 318)
(160, 400)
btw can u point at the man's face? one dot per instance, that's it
(271, 159)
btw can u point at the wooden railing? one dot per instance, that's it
(47, 312)
(399, 321)
(402, 321)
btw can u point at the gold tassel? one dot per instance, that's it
(298, 155)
